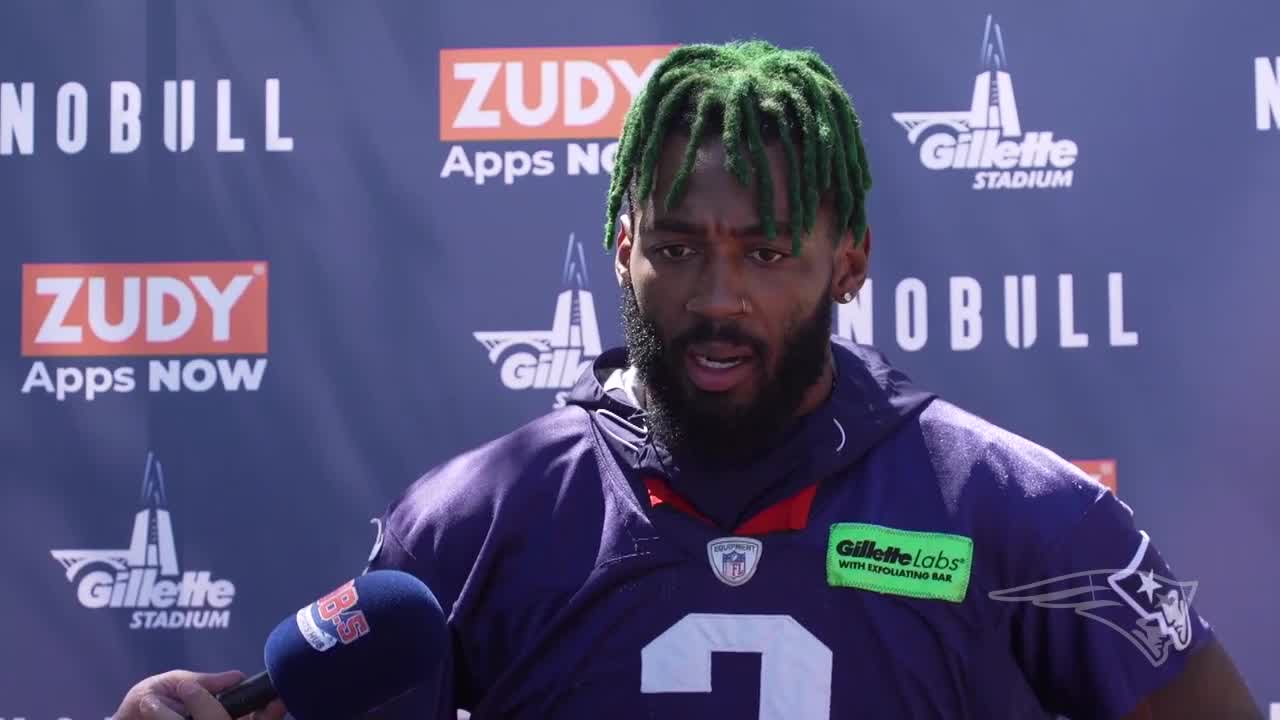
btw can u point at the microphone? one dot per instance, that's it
(370, 640)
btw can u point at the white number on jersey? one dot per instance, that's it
(795, 667)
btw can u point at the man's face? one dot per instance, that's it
(728, 328)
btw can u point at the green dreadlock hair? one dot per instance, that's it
(752, 90)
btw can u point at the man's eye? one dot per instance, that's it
(675, 252)
(767, 256)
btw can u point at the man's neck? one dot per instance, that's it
(821, 389)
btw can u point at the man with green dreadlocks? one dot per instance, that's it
(739, 516)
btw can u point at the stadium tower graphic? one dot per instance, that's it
(151, 544)
(989, 136)
(994, 105)
(555, 358)
(146, 576)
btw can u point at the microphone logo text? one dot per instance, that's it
(331, 620)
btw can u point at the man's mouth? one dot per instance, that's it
(718, 366)
(706, 361)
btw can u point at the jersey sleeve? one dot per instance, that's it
(1107, 622)
(467, 529)
(434, 698)
(433, 531)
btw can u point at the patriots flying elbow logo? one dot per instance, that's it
(1152, 611)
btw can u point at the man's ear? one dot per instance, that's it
(852, 263)
(623, 245)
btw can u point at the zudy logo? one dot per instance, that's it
(497, 95)
(541, 93)
(1103, 471)
(113, 312)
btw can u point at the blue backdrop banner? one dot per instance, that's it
(266, 263)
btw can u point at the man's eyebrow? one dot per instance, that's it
(684, 227)
(677, 226)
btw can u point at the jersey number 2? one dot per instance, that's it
(795, 667)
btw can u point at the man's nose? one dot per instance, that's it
(722, 293)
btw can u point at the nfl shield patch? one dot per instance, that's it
(734, 559)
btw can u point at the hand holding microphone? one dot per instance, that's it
(352, 650)
(169, 695)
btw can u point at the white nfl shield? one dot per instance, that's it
(734, 559)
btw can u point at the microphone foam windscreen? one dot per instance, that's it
(361, 645)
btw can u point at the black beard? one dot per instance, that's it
(707, 426)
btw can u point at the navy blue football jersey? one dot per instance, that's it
(892, 557)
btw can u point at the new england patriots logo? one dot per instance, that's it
(1151, 610)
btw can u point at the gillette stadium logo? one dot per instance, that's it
(551, 359)
(988, 137)
(145, 577)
